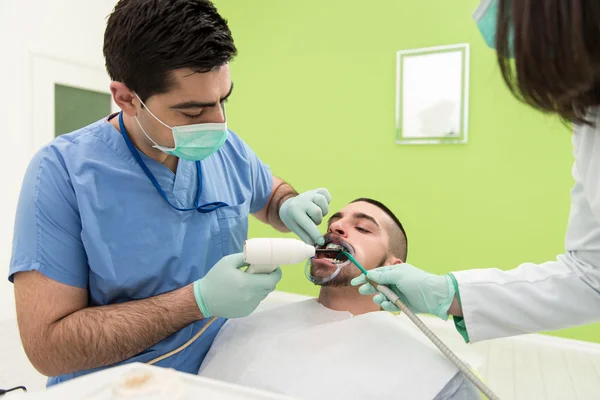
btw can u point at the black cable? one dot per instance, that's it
(4, 391)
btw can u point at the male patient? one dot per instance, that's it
(339, 345)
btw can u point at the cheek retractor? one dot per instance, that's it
(317, 280)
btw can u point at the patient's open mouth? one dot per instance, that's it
(332, 249)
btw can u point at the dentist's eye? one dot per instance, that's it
(192, 116)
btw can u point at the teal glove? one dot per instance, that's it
(302, 213)
(227, 292)
(421, 291)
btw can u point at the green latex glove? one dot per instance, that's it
(421, 291)
(302, 213)
(227, 292)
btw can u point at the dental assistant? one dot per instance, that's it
(556, 70)
(128, 232)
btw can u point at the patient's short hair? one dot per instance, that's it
(398, 238)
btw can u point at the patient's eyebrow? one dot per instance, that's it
(365, 216)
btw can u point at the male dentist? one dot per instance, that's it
(128, 231)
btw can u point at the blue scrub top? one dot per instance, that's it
(88, 216)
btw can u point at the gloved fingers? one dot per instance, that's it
(235, 260)
(325, 193)
(386, 275)
(266, 282)
(307, 225)
(301, 233)
(379, 298)
(322, 202)
(403, 299)
(359, 280)
(389, 306)
(366, 289)
(315, 213)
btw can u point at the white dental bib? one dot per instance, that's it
(307, 351)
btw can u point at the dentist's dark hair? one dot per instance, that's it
(145, 40)
(557, 54)
(398, 238)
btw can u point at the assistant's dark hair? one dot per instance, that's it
(556, 47)
(399, 242)
(146, 39)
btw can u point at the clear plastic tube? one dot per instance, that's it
(320, 281)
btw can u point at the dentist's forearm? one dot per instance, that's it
(281, 192)
(100, 336)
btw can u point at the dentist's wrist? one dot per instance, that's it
(202, 308)
(285, 198)
(455, 308)
(456, 305)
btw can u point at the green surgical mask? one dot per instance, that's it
(192, 142)
(486, 18)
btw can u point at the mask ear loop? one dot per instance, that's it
(319, 281)
(150, 112)
(156, 145)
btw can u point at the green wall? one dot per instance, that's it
(314, 97)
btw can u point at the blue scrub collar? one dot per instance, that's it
(204, 208)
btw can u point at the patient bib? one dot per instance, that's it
(309, 352)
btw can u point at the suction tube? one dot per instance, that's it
(450, 355)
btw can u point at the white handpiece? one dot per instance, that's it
(264, 254)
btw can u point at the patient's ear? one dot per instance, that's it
(393, 260)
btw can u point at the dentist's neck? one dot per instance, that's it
(140, 141)
(346, 298)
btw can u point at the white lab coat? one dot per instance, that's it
(556, 294)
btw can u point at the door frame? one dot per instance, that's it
(46, 72)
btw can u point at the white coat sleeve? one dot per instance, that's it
(553, 295)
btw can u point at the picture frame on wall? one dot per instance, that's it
(432, 95)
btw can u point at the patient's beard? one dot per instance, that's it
(338, 294)
(346, 274)
(341, 280)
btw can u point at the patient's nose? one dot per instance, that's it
(338, 228)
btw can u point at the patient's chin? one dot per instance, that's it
(338, 281)
(322, 272)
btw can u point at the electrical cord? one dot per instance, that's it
(4, 391)
(186, 344)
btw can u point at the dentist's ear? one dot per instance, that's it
(124, 98)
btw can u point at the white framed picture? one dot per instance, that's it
(63, 89)
(432, 95)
